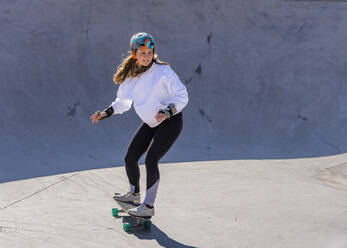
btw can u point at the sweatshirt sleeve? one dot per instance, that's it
(177, 91)
(123, 102)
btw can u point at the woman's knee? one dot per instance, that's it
(129, 159)
(151, 160)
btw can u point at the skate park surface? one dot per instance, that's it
(261, 160)
(245, 203)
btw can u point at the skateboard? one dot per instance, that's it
(141, 222)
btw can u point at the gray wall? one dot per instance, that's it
(266, 79)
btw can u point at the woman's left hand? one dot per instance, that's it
(160, 117)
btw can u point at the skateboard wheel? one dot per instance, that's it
(147, 225)
(115, 211)
(127, 227)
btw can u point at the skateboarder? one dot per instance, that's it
(159, 97)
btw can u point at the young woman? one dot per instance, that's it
(159, 97)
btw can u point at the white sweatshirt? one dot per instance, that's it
(155, 89)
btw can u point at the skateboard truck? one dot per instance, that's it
(145, 223)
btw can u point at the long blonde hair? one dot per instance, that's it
(129, 68)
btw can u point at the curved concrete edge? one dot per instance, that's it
(245, 203)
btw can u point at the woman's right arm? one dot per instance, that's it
(123, 101)
(119, 106)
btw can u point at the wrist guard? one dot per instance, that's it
(169, 111)
(109, 111)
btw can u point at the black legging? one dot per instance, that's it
(156, 141)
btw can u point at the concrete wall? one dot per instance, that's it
(266, 79)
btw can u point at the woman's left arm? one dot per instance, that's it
(177, 91)
(178, 96)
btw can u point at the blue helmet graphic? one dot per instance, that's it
(143, 40)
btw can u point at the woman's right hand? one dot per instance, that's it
(98, 116)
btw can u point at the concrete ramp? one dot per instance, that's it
(261, 161)
(266, 79)
(238, 203)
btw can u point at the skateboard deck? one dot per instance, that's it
(141, 222)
